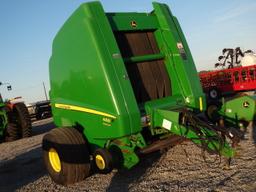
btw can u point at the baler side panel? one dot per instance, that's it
(180, 59)
(190, 67)
(116, 69)
(175, 86)
(81, 52)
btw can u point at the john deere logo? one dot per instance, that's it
(133, 24)
(246, 104)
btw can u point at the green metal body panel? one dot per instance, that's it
(90, 87)
(182, 71)
(3, 119)
(238, 109)
(92, 76)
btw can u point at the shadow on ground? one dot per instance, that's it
(21, 170)
(42, 127)
(123, 179)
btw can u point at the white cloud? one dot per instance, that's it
(235, 12)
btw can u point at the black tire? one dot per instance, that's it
(73, 153)
(211, 111)
(23, 120)
(106, 157)
(38, 116)
(11, 132)
(214, 93)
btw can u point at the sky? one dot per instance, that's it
(27, 29)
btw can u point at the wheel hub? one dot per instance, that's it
(213, 93)
(99, 160)
(54, 160)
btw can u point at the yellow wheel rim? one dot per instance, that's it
(100, 162)
(54, 160)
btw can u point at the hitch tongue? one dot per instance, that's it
(208, 136)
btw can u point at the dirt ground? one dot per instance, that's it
(181, 168)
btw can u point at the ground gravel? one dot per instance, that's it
(181, 168)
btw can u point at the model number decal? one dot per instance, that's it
(167, 124)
